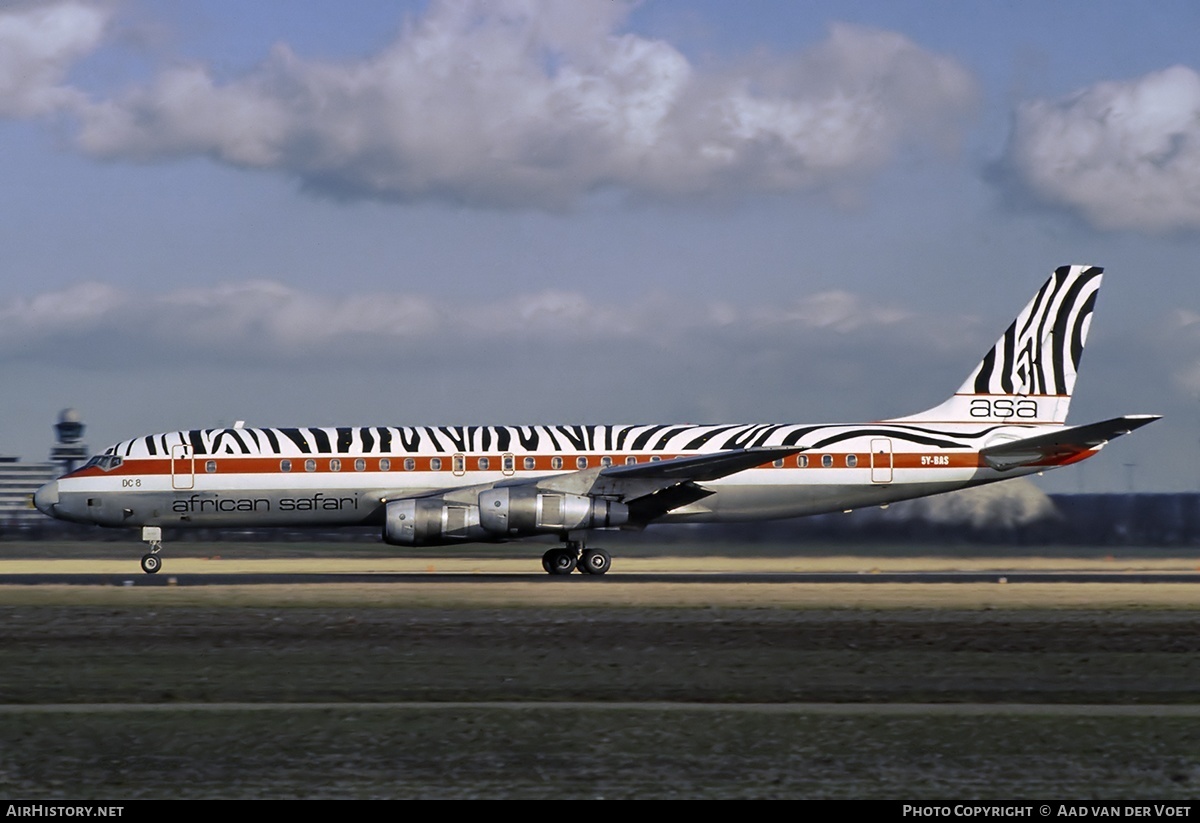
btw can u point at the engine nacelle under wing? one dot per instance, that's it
(517, 511)
(513, 511)
(431, 521)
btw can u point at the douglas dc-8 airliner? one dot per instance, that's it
(437, 485)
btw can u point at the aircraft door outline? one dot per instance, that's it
(183, 467)
(881, 460)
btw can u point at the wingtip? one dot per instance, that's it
(1136, 421)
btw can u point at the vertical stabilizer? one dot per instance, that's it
(1028, 376)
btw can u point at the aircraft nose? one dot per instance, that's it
(46, 498)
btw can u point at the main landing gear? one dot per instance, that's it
(151, 562)
(574, 556)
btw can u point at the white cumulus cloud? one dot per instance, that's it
(38, 45)
(536, 103)
(267, 320)
(1123, 155)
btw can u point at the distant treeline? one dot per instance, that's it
(1073, 520)
(1062, 520)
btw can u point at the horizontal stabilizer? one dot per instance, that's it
(1062, 446)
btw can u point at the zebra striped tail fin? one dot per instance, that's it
(1028, 376)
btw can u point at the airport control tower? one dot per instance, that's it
(70, 450)
(18, 481)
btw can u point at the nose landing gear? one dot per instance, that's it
(151, 562)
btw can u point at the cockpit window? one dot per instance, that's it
(105, 462)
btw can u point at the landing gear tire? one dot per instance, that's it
(595, 561)
(558, 561)
(151, 563)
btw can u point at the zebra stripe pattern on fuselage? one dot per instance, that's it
(388, 440)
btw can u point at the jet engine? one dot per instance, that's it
(431, 521)
(512, 511)
(517, 511)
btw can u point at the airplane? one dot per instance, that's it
(440, 485)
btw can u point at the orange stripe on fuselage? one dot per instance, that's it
(541, 464)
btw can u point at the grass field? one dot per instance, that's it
(599, 688)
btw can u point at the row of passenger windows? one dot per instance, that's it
(458, 464)
(826, 461)
(508, 463)
(335, 464)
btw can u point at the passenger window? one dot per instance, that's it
(606, 461)
(360, 465)
(630, 460)
(310, 465)
(507, 464)
(409, 464)
(530, 463)
(484, 464)
(285, 465)
(851, 460)
(556, 462)
(654, 458)
(385, 464)
(335, 465)
(435, 464)
(802, 461)
(581, 462)
(210, 466)
(827, 460)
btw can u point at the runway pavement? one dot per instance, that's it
(136, 578)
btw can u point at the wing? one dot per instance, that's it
(643, 478)
(1063, 446)
(653, 489)
(649, 489)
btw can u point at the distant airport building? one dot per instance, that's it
(18, 481)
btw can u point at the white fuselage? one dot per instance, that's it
(345, 476)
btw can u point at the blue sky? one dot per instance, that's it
(525, 212)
